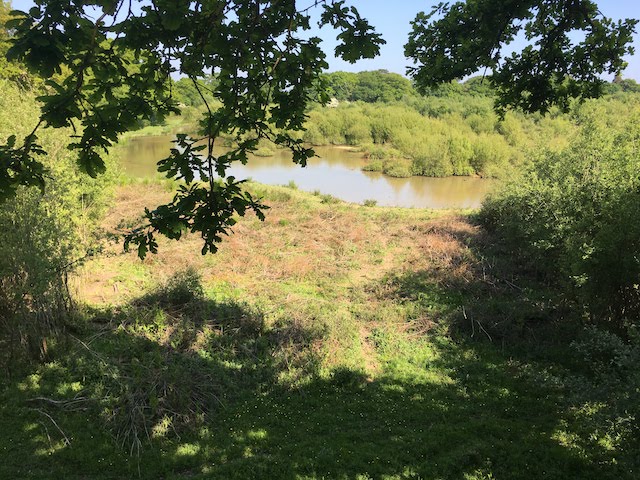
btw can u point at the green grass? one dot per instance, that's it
(170, 125)
(436, 410)
(370, 363)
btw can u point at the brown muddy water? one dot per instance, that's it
(336, 171)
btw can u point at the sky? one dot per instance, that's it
(392, 19)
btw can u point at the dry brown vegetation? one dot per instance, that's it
(301, 241)
(307, 262)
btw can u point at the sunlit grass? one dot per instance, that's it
(330, 341)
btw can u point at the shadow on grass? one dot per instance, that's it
(122, 391)
(180, 386)
(498, 307)
(475, 285)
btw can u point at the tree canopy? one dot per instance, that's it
(108, 65)
(118, 57)
(8, 70)
(570, 44)
(376, 86)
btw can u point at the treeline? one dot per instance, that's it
(430, 136)
(370, 87)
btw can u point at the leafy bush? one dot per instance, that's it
(574, 214)
(374, 166)
(398, 168)
(42, 234)
(607, 356)
(327, 198)
(606, 388)
(182, 288)
(313, 135)
(491, 155)
(356, 133)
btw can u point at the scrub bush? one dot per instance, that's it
(43, 234)
(573, 214)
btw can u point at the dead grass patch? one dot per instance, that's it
(306, 257)
(325, 242)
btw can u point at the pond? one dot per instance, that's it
(336, 171)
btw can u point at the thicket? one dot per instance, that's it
(453, 130)
(573, 214)
(454, 134)
(44, 234)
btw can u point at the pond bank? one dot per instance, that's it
(336, 171)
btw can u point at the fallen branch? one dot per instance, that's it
(513, 285)
(65, 404)
(473, 328)
(55, 424)
(485, 332)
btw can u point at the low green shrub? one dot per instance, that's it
(43, 234)
(327, 198)
(374, 166)
(182, 288)
(606, 387)
(398, 168)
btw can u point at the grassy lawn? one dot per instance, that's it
(330, 341)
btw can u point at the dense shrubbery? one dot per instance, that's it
(452, 131)
(572, 215)
(435, 136)
(42, 233)
(610, 378)
(575, 212)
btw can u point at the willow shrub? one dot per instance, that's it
(574, 213)
(418, 144)
(42, 234)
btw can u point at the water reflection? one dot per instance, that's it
(337, 172)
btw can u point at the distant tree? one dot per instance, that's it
(340, 84)
(478, 85)
(630, 85)
(5, 8)
(380, 86)
(620, 84)
(185, 91)
(8, 70)
(374, 86)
